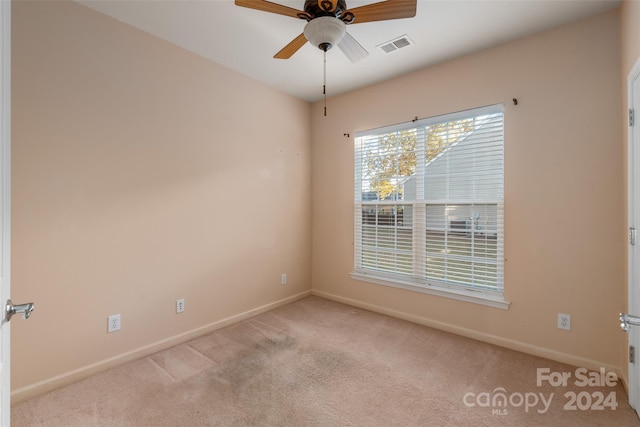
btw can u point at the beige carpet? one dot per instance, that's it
(319, 363)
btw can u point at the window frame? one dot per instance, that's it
(418, 280)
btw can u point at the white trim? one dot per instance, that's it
(5, 205)
(633, 219)
(489, 299)
(430, 202)
(546, 353)
(67, 378)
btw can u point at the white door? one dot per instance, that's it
(634, 235)
(5, 208)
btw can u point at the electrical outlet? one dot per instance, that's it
(564, 321)
(283, 279)
(180, 305)
(114, 323)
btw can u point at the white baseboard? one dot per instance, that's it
(67, 378)
(546, 353)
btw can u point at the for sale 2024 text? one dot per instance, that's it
(582, 377)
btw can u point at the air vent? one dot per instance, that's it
(395, 44)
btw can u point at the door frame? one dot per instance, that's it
(633, 211)
(5, 210)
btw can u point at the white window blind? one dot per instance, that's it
(429, 202)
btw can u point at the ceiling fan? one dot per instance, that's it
(327, 21)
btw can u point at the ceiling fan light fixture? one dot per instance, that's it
(324, 32)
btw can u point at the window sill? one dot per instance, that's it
(467, 295)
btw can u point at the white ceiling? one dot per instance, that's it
(245, 40)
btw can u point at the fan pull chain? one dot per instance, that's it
(324, 85)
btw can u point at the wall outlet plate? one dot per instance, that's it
(113, 323)
(180, 305)
(564, 321)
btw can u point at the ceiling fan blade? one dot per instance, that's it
(384, 10)
(267, 6)
(352, 49)
(288, 51)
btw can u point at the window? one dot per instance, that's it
(429, 202)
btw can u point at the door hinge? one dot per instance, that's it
(632, 354)
(632, 236)
(632, 117)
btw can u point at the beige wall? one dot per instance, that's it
(563, 196)
(630, 37)
(143, 173)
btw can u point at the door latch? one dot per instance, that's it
(24, 309)
(627, 320)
